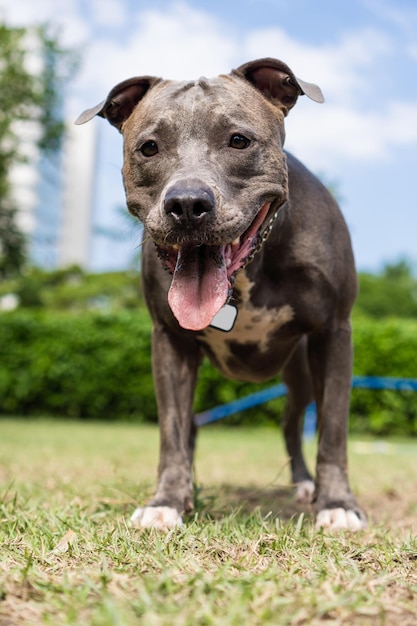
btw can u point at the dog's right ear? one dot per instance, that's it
(121, 101)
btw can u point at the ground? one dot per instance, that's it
(249, 555)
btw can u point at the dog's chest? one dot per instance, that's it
(236, 352)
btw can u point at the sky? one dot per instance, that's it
(363, 53)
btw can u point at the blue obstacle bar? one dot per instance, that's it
(375, 382)
(224, 410)
(277, 391)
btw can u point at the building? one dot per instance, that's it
(75, 230)
(54, 193)
(55, 197)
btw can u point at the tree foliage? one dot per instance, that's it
(33, 69)
(391, 293)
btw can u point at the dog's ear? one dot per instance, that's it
(121, 101)
(277, 83)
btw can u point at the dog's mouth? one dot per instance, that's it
(203, 275)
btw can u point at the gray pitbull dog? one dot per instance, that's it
(233, 225)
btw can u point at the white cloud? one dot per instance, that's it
(182, 42)
(179, 43)
(22, 12)
(344, 128)
(339, 133)
(340, 68)
(109, 13)
(185, 42)
(74, 29)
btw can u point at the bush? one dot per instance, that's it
(88, 365)
(98, 365)
(385, 348)
(71, 289)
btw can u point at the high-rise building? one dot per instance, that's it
(54, 195)
(54, 192)
(75, 232)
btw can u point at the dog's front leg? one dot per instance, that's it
(175, 362)
(330, 357)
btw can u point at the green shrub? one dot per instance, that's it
(392, 292)
(385, 348)
(71, 289)
(98, 365)
(88, 365)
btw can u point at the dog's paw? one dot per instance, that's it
(160, 517)
(304, 491)
(339, 519)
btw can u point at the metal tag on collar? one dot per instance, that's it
(225, 318)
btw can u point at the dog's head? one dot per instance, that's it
(205, 172)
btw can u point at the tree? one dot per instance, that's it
(29, 93)
(393, 292)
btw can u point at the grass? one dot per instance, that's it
(249, 556)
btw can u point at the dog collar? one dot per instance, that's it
(263, 236)
(225, 319)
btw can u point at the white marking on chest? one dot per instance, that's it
(253, 325)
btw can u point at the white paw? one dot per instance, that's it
(304, 491)
(339, 519)
(159, 517)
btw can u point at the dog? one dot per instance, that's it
(247, 260)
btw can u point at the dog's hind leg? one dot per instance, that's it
(296, 375)
(330, 358)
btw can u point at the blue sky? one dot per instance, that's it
(363, 54)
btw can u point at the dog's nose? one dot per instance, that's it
(189, 203)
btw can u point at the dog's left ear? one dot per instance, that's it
(277, 83)
(121, 101)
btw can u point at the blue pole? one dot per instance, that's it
(224, 410)
(277, 391)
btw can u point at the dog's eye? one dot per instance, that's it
(239, 142)
(149, 148)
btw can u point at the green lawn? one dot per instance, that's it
(248, 557)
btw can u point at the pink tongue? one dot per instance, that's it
(199, 286)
